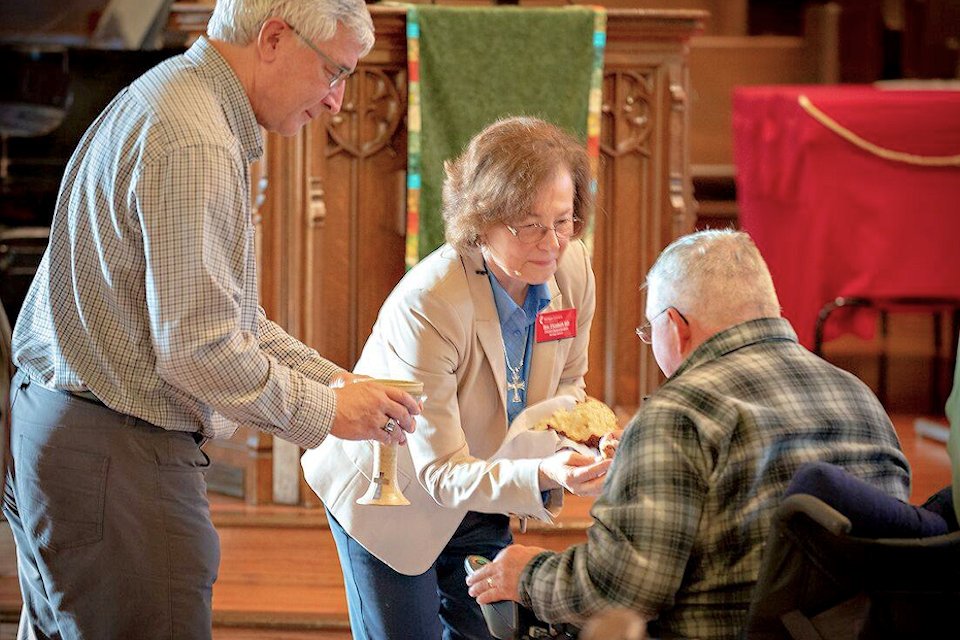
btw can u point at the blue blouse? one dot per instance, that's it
(516, 325)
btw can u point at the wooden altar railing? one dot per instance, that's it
(332, 216)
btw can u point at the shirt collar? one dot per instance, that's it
(538, 297)
(236, 103)
(736, 337)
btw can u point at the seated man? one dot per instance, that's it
(679, 529)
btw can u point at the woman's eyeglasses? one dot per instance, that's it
(534, 233)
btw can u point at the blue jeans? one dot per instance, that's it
(387, 605)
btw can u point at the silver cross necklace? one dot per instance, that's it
(517, 384)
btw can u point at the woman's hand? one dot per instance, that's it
(575, 472)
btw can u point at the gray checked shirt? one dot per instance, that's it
(679, 529)
(147, 293)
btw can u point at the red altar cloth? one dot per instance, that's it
(832, 219)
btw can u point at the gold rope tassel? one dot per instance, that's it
(886, 154)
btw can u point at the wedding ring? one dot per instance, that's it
(490, 582)
(390, 426)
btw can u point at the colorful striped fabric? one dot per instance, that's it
(414, 126)
(593, 113)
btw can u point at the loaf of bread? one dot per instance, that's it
(585, 423)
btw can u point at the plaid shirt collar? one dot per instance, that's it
(736, 337)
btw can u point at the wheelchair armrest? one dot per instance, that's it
(816, 510)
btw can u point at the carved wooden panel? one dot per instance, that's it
(355, 221)
(644, 191)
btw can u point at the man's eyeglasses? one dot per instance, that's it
(340, 75)
(534, 233)
(645, 331)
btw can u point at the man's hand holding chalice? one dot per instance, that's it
(371, 410)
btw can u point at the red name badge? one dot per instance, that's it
(556, 325)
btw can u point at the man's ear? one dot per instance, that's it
(681, 331)
(268, 40)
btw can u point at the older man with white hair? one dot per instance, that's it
(679, 528)
(142, 335)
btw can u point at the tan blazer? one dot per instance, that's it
(440, 325)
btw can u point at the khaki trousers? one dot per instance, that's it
(111, 522)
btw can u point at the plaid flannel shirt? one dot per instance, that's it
(680, 526)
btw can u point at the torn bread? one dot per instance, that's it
(585, 423)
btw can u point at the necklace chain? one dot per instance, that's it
(516, 384)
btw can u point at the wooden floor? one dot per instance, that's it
(928, 458)
(280, 578)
